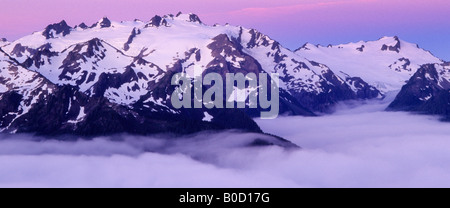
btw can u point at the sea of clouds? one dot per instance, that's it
(358, 146)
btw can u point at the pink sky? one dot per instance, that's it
(292, 22)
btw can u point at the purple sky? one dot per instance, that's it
(292, 22)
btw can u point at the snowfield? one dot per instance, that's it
(386, 70)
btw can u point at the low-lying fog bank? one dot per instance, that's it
(358, 146)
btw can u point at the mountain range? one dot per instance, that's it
(115, 77)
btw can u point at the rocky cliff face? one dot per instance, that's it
(428, 91)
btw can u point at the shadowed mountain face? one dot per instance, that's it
(428, 91)
(116, 77)
(31, 103)
(92, 88)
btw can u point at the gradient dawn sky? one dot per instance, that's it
(292, 22)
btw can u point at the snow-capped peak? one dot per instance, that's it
(391, 44)
(102, 23)
(386, 43)
(166, 40)
(53, 30)
(307, 46)
(389, 38)
(156, 21)
(188, 17)
(386, 63)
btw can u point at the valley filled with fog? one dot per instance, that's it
(358, 146)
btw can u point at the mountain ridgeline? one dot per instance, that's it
(428, 91)
(115, 77)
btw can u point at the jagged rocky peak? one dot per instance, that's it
(83, 26)
(194, 18)
(56, 29)
(81, 51)
(392, 44)
(189, 17)
(95, 42)
(258, 39)
(103, 23)
(3, 40)
(92, 45)
(157, 21)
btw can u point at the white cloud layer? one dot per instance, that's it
(359, 146)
